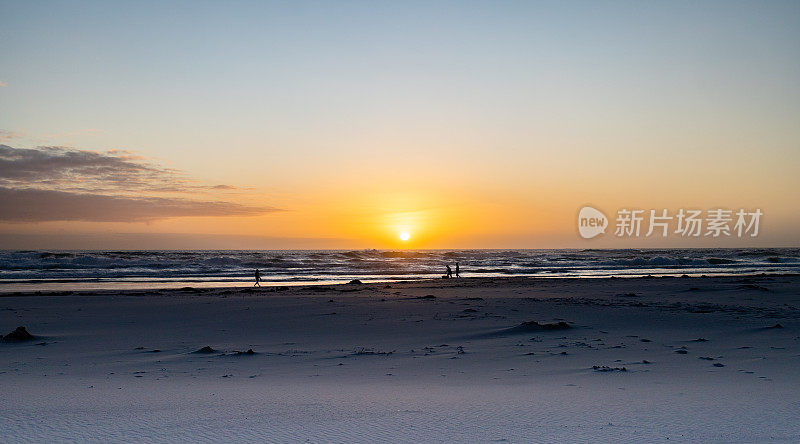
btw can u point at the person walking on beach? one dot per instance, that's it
(458, 272)
(449, 272)
(258, 278)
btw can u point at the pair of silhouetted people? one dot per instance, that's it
(450, 271)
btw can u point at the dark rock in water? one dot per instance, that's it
(717, 364)
(776, 326)
(18, 335)
(681, 352)
(248, 352)
(206, 349)
(701, 340)
(645, 340)
(355, 282)
(719, 261)
(427, 296)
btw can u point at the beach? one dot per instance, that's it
(519, 359)
(399, 222)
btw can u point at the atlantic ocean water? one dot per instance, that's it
(74, 270)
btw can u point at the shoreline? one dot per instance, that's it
(127, 287)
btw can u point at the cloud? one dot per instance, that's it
(65, 169)
(56, 166)
(31, 205)
(58, 184)
(9, 135)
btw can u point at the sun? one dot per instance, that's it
(404, 236)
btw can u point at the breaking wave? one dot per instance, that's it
(341, 265)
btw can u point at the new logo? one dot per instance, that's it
(591, 222)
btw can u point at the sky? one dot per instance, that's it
(305, 125)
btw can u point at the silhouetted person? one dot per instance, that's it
(449, 271)
(258, 278)
(458, 272)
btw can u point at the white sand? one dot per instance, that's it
(323, 371)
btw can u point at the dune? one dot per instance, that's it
(206, 350)
(19, 334)
(535, 327)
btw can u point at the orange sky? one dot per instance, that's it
(281, 126)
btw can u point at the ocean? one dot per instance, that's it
(75, 270)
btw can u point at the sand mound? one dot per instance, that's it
(362, 351)
(604, 368)
(18, 335)
(535, 327)
(528, 328)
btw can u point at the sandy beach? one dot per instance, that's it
(399, 222)
(481, 360)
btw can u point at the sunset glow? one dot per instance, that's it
(502, 138)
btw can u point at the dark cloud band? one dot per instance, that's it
(58, 184)
(30, 205)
